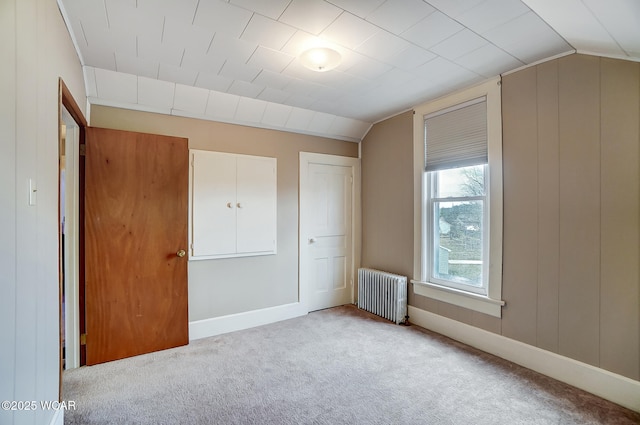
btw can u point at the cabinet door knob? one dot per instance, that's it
(181, 253)
(239, 205)
(229, 205)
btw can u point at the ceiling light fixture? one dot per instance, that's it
(320, 59)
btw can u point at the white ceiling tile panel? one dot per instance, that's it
(213, 81)
(459, 44)
(267, 32)
(222, 18)
(454, 8)
(177, 75)
(276, 115)
(116, 86)
(137, 66)
(100, 58)
(89, 73)
(432, 30)
(199, 61)
(395, 77)
(411, 58)
(300, 101)
(222, 105)
(152, 48)
(274, 95)
(577, 23)
(239, 71)
(153, 92)
(399, 15)
(367, 68)
(244, 88)
(190, 99)
(621, 18)
(383, 46)
(270, 59)
(232, 48)
(182, 11)
(321, 122)
(491, 14)
(312, 16)
(342, 126)
(271, 8)
(349, 31)
(361, 8)
(272, 79)
(97, 35)
(177, 34)
(528, 38)
(125, 17)
(442, 71)
(250, 110)
(299, 118)
(489, 61)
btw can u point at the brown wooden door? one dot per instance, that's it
(136, 194)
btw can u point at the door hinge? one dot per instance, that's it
(83, 149)
(83, 339)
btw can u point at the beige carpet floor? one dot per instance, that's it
(336, 366)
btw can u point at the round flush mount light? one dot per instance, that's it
(320, 59)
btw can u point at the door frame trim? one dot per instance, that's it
(307, 158)
(66, 101)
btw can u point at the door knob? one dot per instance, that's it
(312, 240)
(181, 253)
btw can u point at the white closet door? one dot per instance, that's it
(256, 204)
(214, 204)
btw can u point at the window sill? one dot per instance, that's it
(479, 303)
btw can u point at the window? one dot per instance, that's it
(458, 208)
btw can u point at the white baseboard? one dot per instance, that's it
(236, 322)
(58, 417)
(610, 386)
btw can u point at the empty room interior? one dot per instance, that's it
(275, 192)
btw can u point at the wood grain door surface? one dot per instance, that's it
(136, 212)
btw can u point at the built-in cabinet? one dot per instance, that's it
(233, 205)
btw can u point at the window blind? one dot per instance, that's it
(456, 136)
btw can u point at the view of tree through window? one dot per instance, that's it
(458, 206)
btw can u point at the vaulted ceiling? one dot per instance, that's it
(237, 61)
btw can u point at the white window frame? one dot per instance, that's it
(491, 303)
(429, 224)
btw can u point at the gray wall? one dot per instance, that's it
(235, 285)
(571, 150)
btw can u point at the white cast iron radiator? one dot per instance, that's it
(382, 293)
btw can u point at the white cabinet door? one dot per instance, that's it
(234, 205)
(213, 204)
(256, 203)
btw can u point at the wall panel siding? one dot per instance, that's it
(620, 218)
(579, 295)
(548, 206)
(520, 245)
(8, 207)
